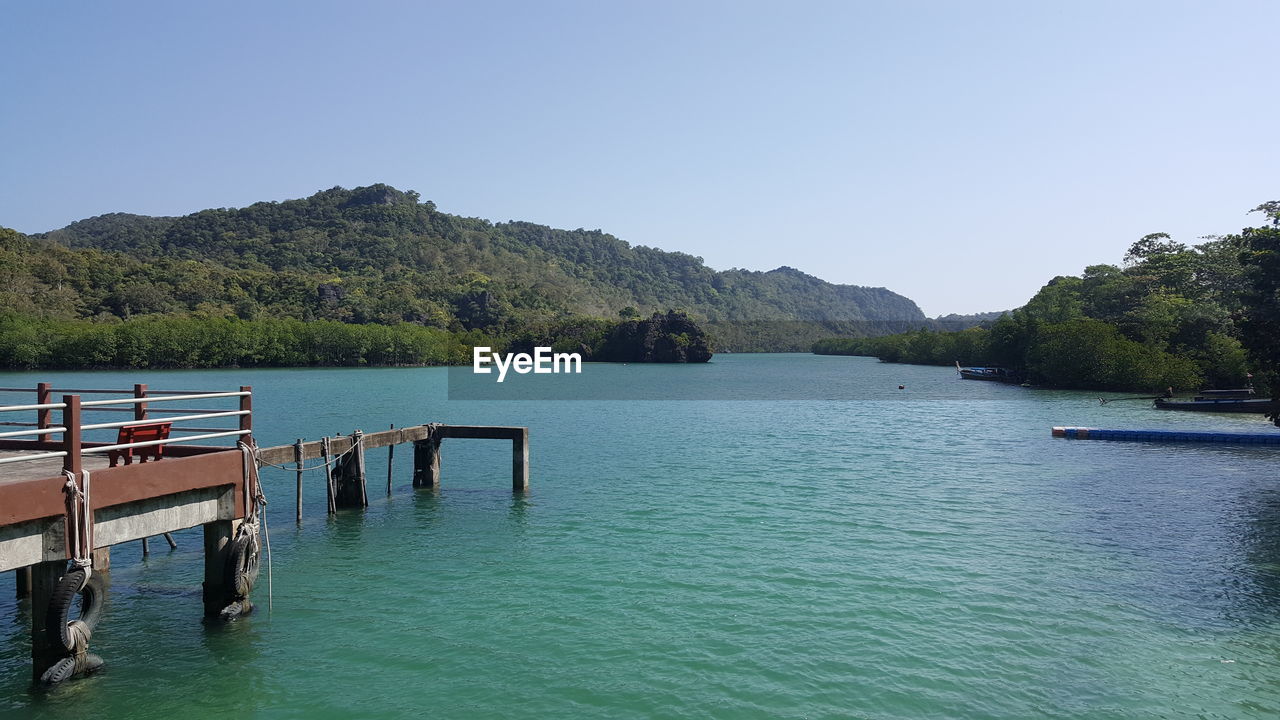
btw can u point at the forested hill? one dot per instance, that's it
(380, 255)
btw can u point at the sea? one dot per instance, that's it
(807, 537)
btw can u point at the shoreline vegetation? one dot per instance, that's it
(170, 343)
(379, 276)
(1206, 316)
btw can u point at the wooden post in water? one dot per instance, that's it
(391, 458)
(297, 458)
(328, 473)
(426, 462)
(45, 650)
(146, 547)
(351, 490)
(520, 461)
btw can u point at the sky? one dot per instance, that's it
(959, 153)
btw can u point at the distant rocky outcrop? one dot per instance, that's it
(663, 338)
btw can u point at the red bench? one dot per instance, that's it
(147, 432)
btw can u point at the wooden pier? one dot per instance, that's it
(426, 444)
(65, 501)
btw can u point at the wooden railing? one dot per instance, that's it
(73, 446)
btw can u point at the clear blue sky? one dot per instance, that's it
(961, 153)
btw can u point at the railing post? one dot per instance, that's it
(140, 409)
(246, 405)
(44, 418)
(72, 463)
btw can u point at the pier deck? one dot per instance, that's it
(60, 500)
(44, 467)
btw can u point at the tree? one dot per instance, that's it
(1152, 245)
(1260, 331)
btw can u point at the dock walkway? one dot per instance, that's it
(62, 506)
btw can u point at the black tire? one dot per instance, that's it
(58, 621)
(242, 565)
(91, 664)
(69, 667)
(237, 609)
(61, 670)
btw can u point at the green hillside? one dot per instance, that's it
(378, 256)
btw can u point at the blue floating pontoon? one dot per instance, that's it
(1083, 433)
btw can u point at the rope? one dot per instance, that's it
(80, 522)
(267, 533)
(333, 459)
(431, 428)
(87, 512)
(255, 497)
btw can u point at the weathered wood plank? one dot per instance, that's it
(481, 432)
(282, 454)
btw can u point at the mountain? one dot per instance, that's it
(380, 255)
(961, 322)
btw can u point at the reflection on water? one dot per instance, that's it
(1259, 547)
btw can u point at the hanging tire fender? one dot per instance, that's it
(69, 667)
(242, 565)
(58, 623)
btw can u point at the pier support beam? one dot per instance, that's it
(426, 463)
(217, 539)
(45, 650)
(349, 476)
(520, 461)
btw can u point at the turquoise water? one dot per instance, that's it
(926, 553)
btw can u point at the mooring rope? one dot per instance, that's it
(254, 497)
(267, 534)
(80, 525)
(318, 466)
(80, 521)
(88, 523)
(357, 438)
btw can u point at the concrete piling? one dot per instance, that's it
(217, 539)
